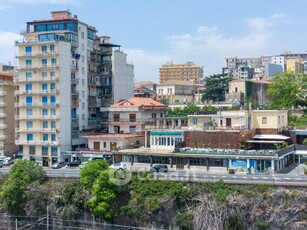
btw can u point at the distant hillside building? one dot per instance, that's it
(185, 72)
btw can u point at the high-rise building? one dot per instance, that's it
(185, 72)
(7, 132)
(65, 74)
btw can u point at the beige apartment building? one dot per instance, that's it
(186, 72)
(7, 131)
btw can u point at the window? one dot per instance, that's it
(44, 49)
(104, 145)
(132, 117)
(132, 129)
(44, 62)
(83, 105)
(28, 63)
(45, 137)
(28, 50)
(29, 124)
(82, 82)
(52, 48)
(53, 124)
(52, 74)
(29, 112)
(116, 117)
(82, 34)
(52, 86)
(53, 137)
(29, 137)
(32, 150)
(28, 74)
(28, 87)
(194, 121)
(153, 115)
(278, 119)
(83, 117)
(53, 112)
(44, 74)
(44, 86)
(54, 150)
(44, 150)
(44, 100)
(264, 120)
(29, 100)
(45, 112)
(53, 61)
(82, 58)
(96, 145)
(82, 47)
(45, 124)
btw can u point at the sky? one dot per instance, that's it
(153, 32)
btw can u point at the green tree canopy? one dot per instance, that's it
(216, 87)
(13, 192)
(178, 112)
(91, 171)
(287, 90)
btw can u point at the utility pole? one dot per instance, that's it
(47, 217)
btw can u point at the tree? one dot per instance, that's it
(13, 192)
(216, 87)
(91, 171)
(287, 90)
(187, 110)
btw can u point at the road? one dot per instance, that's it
(276, 179)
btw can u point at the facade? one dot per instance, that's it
(237, 120)
(269, 119)
(65, 74)
(184, 72)
(270, 70)
(295, 65)
(178, 92)
(132, 115)
(7, 129)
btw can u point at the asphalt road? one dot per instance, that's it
(276, 179)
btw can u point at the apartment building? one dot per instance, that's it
(65, 74)
(7, 131)
(132, 115)
(185, 72)
(179, 92)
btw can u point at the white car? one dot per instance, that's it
(118, 166)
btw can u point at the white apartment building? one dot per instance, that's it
(60, 86)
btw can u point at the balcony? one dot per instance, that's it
(74, 104)
(40, 142)
(75, 93)
(2, 104)
(3, 126)
(74, 81)
(2, 93)
(20, 105)
(37, 79)
(3, 137)
(38, 67)
(37, 92)
(37, 130)
(2, 115)
(132, 121)
(37, 117)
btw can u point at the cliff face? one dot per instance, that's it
(167, 205)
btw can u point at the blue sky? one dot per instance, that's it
(153, 32)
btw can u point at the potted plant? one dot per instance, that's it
(248, 170)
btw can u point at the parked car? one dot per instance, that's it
(8, 161)
(58, 165)
(74, 164)
(19, 154)
(118, 166)
(159, 168)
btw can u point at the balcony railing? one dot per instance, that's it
(36, 105)
(37, 117)
(36, 79)
(38, 67)
(40, 142)
(130, 120)
(29, 92)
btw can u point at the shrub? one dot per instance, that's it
(262, 224)
(185, 221)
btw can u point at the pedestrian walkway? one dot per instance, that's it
(297, 169)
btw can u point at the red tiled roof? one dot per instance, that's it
(139, 101)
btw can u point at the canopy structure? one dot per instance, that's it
(271, 137)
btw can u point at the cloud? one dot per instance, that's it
(207, 47)
(7, 44)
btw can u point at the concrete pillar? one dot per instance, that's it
(164, 123)
(208, 164)
(158, 124)
(272, 165)
(188, 161)
(173, 123)
(179, 122)
(132, 160)
(247, 163)
(150, 158)
(230, 165)
(299, 159)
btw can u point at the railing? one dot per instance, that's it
(35, 79)
(37, 104)
(37, 117)
(128, 120)
(50, 91)
(40, 142)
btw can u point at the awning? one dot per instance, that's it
(271, 137)
(264, 141)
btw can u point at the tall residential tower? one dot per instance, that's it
(62, 82)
